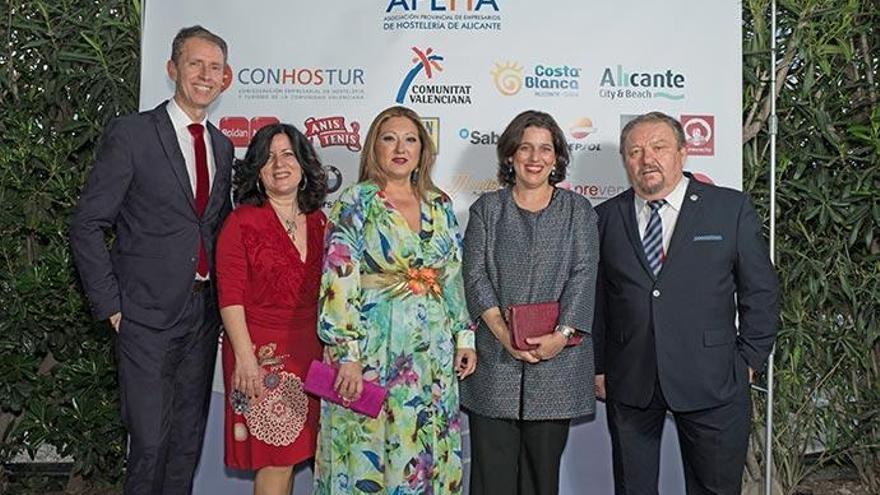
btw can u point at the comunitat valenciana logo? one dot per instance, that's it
(540, 79)
(332, 131)
(428, 62)
(619, 83)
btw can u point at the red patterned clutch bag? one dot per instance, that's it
(533, 320)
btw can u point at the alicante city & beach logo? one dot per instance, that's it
(428, 62)
(617, 83)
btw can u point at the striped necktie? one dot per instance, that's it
(653, 239)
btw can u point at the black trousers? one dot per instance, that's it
(510, 456)
(713, 444)
(165, 388)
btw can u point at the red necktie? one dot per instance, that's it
(202, 186)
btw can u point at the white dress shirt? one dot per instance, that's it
(668, 212)
(180, 120)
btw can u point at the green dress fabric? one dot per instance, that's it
(393, 299)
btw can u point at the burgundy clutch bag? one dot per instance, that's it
(319, 382)
(533, 320)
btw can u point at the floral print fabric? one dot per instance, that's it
(393, 299)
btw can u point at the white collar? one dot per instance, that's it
(179, 118)
(674, 199)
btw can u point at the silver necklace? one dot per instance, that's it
(289, 223)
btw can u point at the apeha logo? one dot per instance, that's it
(442, 15)
(616, 83)
(543, 79)
(445, 94)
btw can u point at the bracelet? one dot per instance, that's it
(566, 331)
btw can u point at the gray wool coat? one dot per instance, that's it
(513, 256)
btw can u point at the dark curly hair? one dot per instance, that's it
(249, 190)
(512, 137)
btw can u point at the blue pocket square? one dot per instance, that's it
(708, 237)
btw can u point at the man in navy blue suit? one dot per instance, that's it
(161, 183)
(680, 261)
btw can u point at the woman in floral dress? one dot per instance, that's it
(392, 312)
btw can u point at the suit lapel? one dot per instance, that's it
(691, 210)
(631, 225)
(172, 151)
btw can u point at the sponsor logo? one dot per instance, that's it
(483, 138)
(334, 178)
(297, 83)
(699, 130)
(539, 79)
(701, 177)
(442, 15)
(578, 132)
(465, 183)
(595, 192)
(617, 83)
(240, 130)
(331, 131)
(432, 125)
(428, 62)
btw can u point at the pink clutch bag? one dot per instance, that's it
(319, 382)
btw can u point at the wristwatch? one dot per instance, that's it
(566, 331)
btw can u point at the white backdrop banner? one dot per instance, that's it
(468, 67)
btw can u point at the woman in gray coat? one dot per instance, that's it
(528, 242)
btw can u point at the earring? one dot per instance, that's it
(304, 183)
(260, 187)
(554, 174)
(414, 176)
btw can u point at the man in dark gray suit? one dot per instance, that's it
(679, 261)
(161, 182)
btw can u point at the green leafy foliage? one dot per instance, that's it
(827, 383)
(66, 69)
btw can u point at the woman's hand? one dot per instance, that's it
(548, 345)
(517, 354)
(465, 362)
(246, 377)
(349, 381)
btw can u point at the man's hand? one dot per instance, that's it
(600, 387)
(115, 319)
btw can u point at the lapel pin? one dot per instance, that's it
(694, 197)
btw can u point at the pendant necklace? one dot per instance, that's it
(289, 223)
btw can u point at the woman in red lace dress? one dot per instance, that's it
(268, 273)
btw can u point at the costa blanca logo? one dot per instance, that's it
(331, 131)
(442, 15)
(541, 79)
(301, 83)
(619, 83)
(700, 133)
(240, 130)
(442, 94)
(508, 77)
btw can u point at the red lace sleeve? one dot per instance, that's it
(232, 267)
